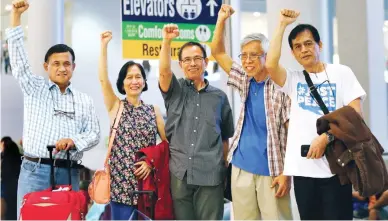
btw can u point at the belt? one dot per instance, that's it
(57, 162)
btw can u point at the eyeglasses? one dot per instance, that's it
(197, 60)
(64, 113)
(317, 87)
(253, 57)
(69, 113)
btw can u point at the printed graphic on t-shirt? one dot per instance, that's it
(307, 102)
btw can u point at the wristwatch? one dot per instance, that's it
(330, 137)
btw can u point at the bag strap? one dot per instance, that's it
(315, 93)
(156, 121)
(113, 132)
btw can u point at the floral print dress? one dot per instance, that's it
(137, 129)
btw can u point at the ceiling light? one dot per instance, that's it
(8, 7)
(385, 29)
(386, 23)
(256, 14)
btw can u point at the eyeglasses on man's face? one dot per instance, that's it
(252, 57)
(197, 60)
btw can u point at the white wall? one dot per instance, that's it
(367, 58)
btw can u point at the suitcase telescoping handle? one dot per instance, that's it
(152, 196)
(50, 148)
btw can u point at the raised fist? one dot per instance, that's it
(170, 31)
(20, 6)
(225, 12)
(288, 16)
(106, 36)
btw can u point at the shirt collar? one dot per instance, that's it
(252, 79)
(190, 83)
(131, 105)
(68, 89)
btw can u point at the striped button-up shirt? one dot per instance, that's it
(277, 108)
(50, 115)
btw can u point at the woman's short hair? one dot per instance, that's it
(123, 75)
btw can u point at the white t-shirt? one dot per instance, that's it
(337, 87)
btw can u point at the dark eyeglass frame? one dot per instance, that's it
(57, 112)
(317, 87)
(197, 60)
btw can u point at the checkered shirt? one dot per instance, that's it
(50, 115)
(277, 107)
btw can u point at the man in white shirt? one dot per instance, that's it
(318, 192)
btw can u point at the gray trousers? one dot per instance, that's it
(192, 202)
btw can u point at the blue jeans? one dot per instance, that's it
(36, 177)
(121, 211)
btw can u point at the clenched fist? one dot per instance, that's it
(288, 16)
(20, 6)
(170, 31)
(225, 12)
(106, 36)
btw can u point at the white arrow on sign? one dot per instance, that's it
(212, 4)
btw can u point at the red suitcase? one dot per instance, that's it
(55, 203)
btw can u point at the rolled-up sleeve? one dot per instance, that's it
(90, 134)
(237, 77)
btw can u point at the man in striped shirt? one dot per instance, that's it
(259, 190)
(55, 113)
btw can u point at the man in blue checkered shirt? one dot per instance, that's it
(54, 113)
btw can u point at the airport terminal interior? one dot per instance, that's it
(353, 32)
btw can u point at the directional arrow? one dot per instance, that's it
(212, 4)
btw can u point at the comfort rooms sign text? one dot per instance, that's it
(143, 21)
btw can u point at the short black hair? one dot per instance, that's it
(59, 48)
(123, 75)
(301, 28)
(191, 43)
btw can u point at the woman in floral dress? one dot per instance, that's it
(137, 128)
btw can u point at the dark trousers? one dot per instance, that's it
(323, 198)
(192, 202)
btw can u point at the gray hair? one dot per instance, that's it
(256, 37)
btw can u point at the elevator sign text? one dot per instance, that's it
(143, 21)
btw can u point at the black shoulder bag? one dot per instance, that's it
(315, 93)
(318, 98)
